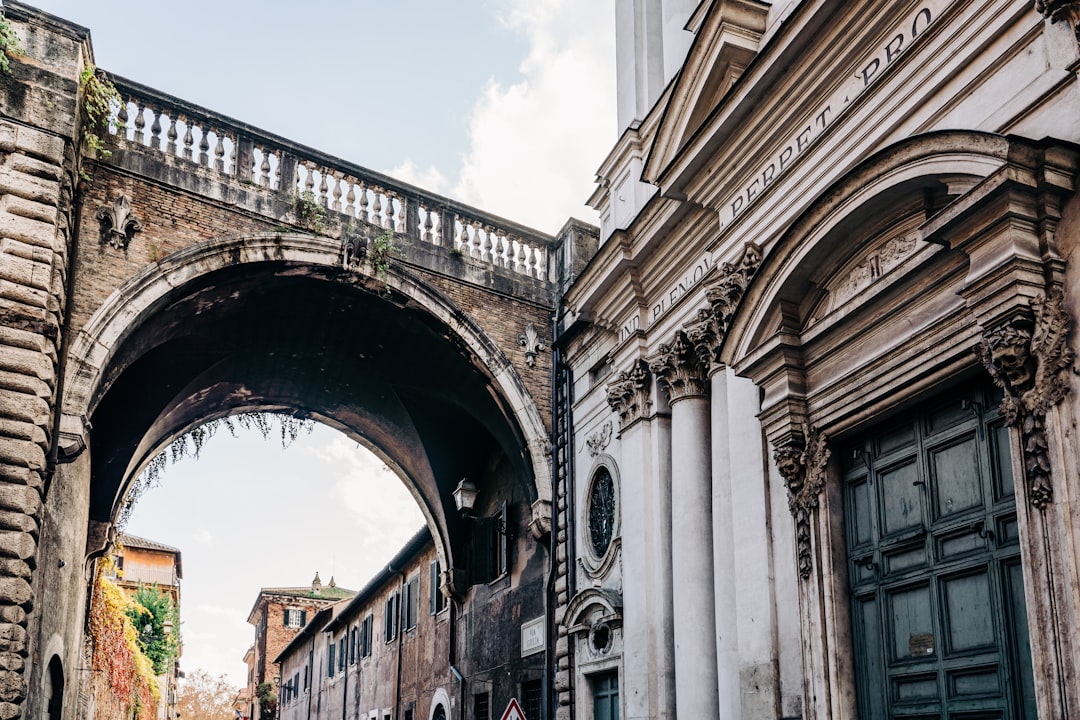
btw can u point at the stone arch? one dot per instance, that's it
(890, 194)
(88, 375)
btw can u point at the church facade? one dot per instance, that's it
(818, 456)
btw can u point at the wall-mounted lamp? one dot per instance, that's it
(465, 496)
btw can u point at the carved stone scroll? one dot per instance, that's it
(628, 394)
(1028, 358)
(118, 224)
(1058, 10)
(707, 330)
(679, 369)
(801, 461)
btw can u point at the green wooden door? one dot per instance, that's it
(938, 620)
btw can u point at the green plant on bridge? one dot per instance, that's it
(310, 212)
(100, 100)
(383, 248)
(9, 45)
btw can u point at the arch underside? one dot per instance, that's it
(216, 330)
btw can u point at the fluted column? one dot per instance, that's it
(683, 376)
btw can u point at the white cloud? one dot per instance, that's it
(204, 536)
(535, 145)
(428, 178)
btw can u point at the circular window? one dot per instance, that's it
(601, 511)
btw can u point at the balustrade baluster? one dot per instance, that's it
(463, 241)
(264, 167)
(309, 181)
(140, 123)
(350, 199)
(155, 130)
(121, 120)
(323, 188)
(364, 216)
(204, 145)
(428, 224)
(336, 205)
(402, 223)
(541, 263)
(504, 251)
(171, 135)
(219, 152)
(188, 139)
(376, 208)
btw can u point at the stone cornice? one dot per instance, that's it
(679, 369)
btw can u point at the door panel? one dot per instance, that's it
(938, 622)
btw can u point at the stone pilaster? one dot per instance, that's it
(683, 375)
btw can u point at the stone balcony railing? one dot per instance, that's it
(185, 133)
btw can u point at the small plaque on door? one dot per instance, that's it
(921, 645)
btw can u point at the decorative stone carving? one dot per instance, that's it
(801, 461)
(680, 369)
(707, 330)
(530, 340)
(599, 440)
(1028, 358)
(118, 224)
(873, 267)
(1057, 10)
(628, 394)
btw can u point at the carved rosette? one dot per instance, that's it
(628, 394)
(1058, 10)
(1028, 358)
(801, 460)
(118, 224)
(679, 369)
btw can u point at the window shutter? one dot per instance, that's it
(285, 618)
(503, 539)
(303, 618)
(433, 592)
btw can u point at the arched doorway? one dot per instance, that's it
(54, 690)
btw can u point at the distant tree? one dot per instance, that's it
(157, 621)
(201, 696)
(267, 701)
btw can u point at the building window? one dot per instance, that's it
(393, 604)
(499, 548)
(295, 684)
(295, 618)
(440, 713)
(408, 714)
(601, 512)
(481, 703)
(366, 629)
(436, 600)
(307, 680)
(605, 691)
(330, 659)
(411, 602)
(531, 698)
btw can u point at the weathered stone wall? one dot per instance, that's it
(37, 173)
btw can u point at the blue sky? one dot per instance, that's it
(505, 104)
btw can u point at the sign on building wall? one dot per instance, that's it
(533, 637)
(513, 711)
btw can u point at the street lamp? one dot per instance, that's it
(465, 496)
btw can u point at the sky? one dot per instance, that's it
(508, 105)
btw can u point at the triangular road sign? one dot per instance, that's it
(513, 711)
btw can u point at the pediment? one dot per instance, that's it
(727, 34)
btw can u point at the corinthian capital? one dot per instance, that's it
(1058, 10)
(679, 369)
(628, 394)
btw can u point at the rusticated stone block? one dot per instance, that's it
(27, 230)
(12, 614)
(19, 498)
(562, 646)
(21, 451)
(14, 568)
(17, 406)
(17, 545)
(562, 681)
(8, 711)
(21, 475)
(13, 660)
(22, 431)
(32, 142)
(12, 641)
(11, 687)
(17, 521)
(563, 712)
(15, 591)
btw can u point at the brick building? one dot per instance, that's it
(279, 613)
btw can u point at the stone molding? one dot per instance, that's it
(801, 460)
(1028, 358)
(628, 394)
(680, 370)
(1058, 10)
(118, 223)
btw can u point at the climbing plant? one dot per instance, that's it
(157, 621)
(310, 212)
(383, 248)
(124, 675)
(9, 45)
(100, 102)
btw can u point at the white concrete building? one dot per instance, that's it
(817, 450)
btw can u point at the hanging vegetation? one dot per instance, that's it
(157, 621)
(191, 443)
(123, 676)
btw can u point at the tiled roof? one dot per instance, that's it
(134, 541)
